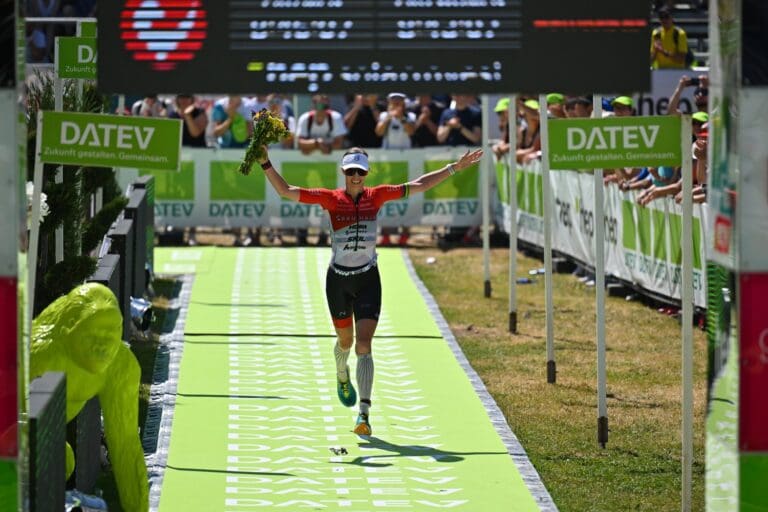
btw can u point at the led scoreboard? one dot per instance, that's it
(241, 46)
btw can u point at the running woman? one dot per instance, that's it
(352, 285)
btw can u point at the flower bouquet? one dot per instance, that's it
(267, 129)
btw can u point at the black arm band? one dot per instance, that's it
(266, 165)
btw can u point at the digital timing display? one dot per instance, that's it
(334, 46)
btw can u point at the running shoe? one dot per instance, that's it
(362, 427)
(346, 391)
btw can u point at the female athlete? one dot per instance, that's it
(352, 285)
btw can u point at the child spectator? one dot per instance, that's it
(555, 104)
(501, 148)
(528, 140)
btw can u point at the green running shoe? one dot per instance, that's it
(362, 427)
(346, 391)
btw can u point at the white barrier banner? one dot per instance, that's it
(642, 243)
(208, 191)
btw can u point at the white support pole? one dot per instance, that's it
(547, 199)
(99, 195)
(34, 229)
(58, 106)
(486, 167)
(295, 104)
(512, 192)
(687, 312)
(599, 220)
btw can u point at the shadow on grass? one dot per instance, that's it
(395, 450)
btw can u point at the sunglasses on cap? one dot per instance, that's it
(351, 171)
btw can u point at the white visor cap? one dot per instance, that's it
(355, 160)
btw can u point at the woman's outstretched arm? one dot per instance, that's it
(429, 180)
(278, 182)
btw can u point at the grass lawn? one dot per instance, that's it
(640, 468)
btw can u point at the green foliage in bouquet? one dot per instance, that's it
(267, 129)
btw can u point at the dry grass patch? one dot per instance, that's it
(640, 467)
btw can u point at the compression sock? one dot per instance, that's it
(341, 357)
(365, 380)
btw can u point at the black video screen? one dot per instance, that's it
(344, 46)
(754, 43)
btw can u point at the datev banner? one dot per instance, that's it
(110, 141)
(75, 57)
(614, 142)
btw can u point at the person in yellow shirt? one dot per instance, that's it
(669, 43)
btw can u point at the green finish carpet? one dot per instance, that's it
(256, 415)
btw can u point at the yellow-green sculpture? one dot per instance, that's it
(80, 334)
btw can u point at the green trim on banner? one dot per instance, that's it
(530, 192)
(629, 236)
(461, 185)
(87, 28)
(8, 486)
(640, 232)
(228, 184)
(101, 140)
(174, 186)
(753, 493)
(644, 230)
(76, 57)
(502, 187)
(614, 142)
(520, 176)
(387, 173)
(676, 232)
(659, 234)
(310, 174)
(535, 187)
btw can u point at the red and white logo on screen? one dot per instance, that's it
(163, 32)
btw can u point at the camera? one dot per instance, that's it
(694, 82)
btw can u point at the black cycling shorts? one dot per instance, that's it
(358, 294)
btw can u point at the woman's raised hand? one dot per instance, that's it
(469, 158)
(265, 152)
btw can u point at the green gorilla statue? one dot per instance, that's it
(80, 334)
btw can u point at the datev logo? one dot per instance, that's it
(614, 142)
(163, 32)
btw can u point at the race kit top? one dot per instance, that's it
(353, 223)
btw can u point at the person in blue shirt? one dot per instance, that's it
(461, 125)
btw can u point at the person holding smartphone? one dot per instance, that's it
(700, 94)
(353, 286)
